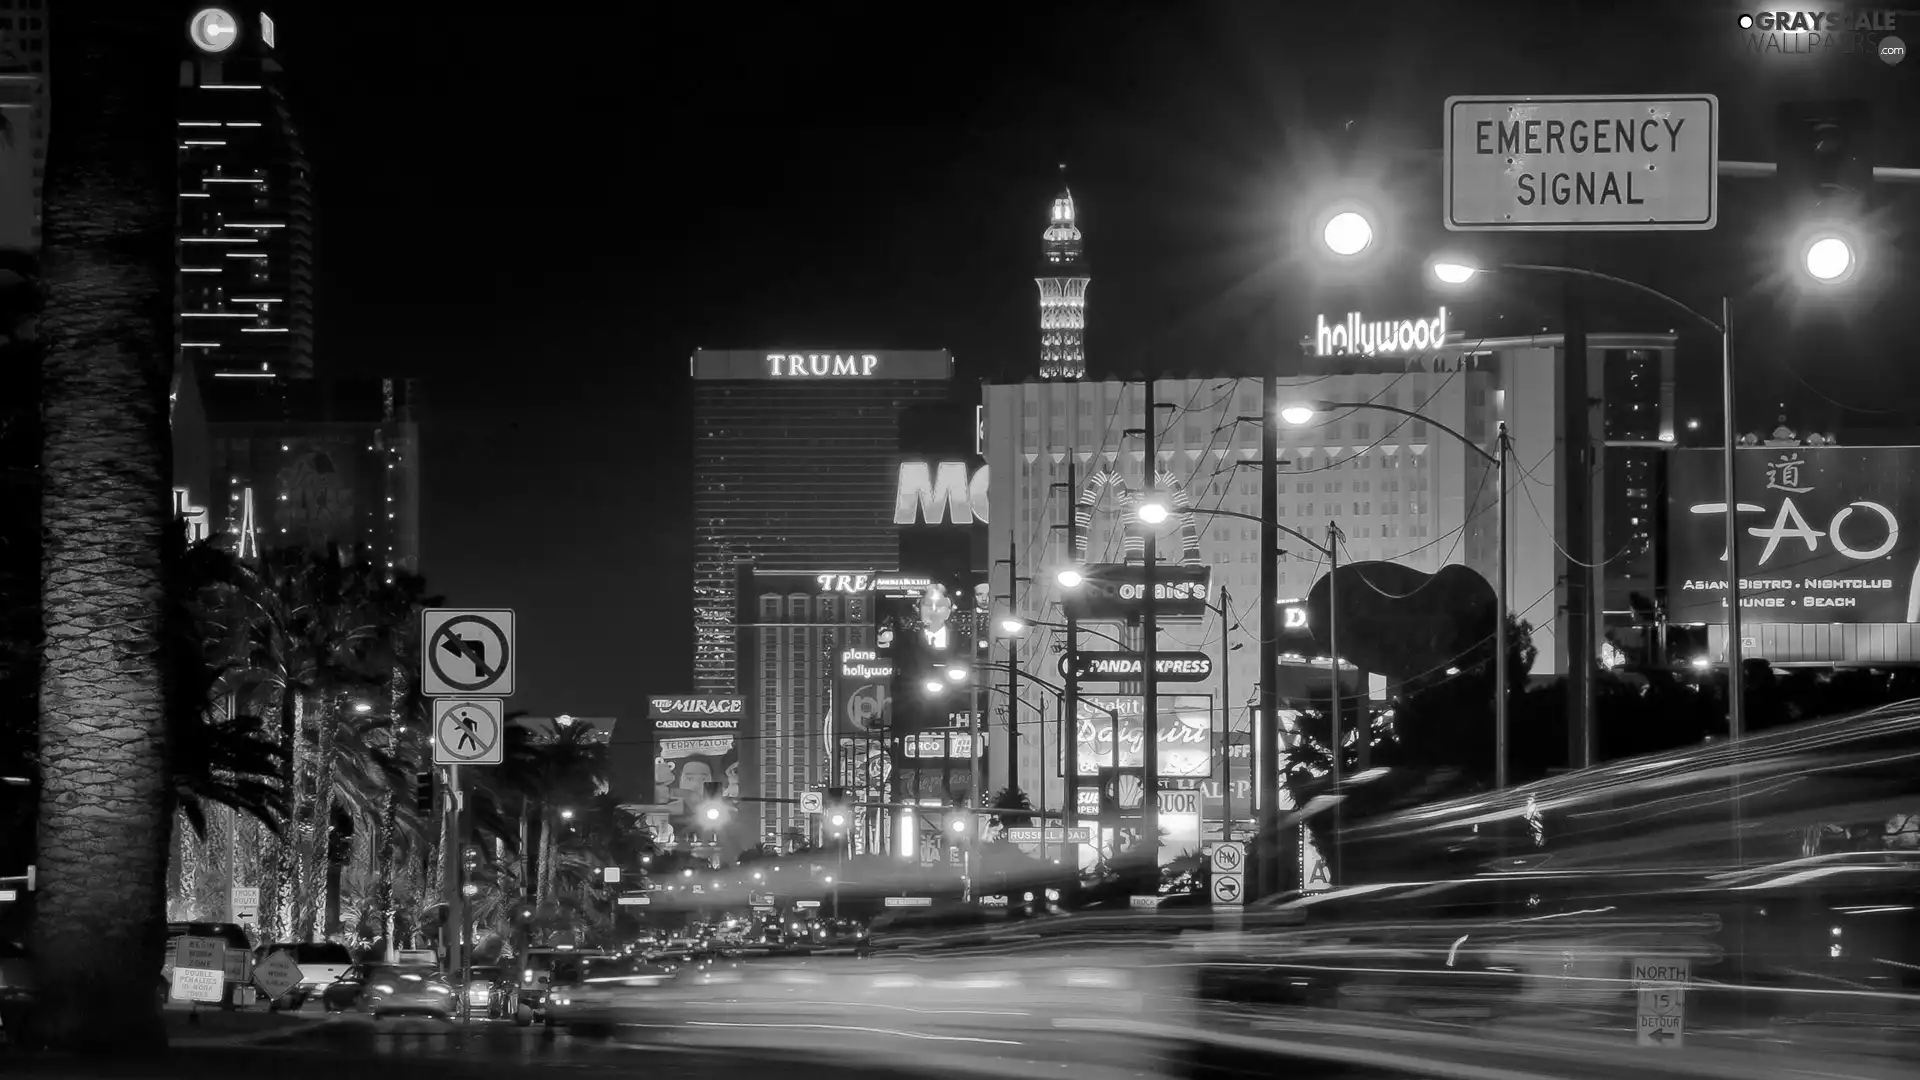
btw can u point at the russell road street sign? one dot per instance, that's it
(1582, 164)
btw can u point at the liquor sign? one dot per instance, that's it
(1185, 734)
(1127, 667)
(1114, 592)
(1827, 534)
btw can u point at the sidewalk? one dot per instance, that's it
(236, 1027)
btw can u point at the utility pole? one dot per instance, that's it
(1070, 740)
(1149, 639)
(1013, 675)
(1333, 646)
(1226, 716)
(1268, 845)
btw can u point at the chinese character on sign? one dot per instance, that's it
(1784, 474)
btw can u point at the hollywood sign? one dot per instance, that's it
(940, 494)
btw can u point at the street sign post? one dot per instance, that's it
(1600, 163)
(466, 731)
(909, 901)
(466, 652)
(1661, 985)
(245, 903)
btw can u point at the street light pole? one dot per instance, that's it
(1013, 674)
(1149, 640)
(1226, 716)
(1501, 731)
(1266, 742)
(1070, 745)
(1736, 678)
(1333, 646)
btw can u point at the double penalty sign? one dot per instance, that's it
(1600, 163)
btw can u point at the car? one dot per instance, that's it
(382, 990)
(486, 989)
(526, 1001)
(321, 963)
(587, 996)
(17, 996)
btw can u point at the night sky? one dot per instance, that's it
(542, 220)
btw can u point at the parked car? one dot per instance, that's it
(382, 990)
(487, 987)
(321, 963)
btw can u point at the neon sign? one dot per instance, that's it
(1355, 335)
(822, 365)
(940, 494)
(846, 583)
(199, 525)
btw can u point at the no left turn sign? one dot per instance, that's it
(466, 652)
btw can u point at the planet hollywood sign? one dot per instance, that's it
(1356, 335)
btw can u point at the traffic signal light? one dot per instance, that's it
(1824, 150)
(837, 814)
(959, 823)
(713, 810)
(423, 793)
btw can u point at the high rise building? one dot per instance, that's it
(326, 462)
(796, 458)
(23, 121)
(1063, 292)
(1637, 411)
(245, 287)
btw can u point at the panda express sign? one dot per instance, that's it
(1126, 667)
(696, 712)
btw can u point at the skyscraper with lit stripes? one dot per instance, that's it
(1063, 292)
(245, 285)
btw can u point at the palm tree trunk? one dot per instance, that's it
(106, 802)
(317, 838)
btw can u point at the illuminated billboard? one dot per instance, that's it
(1116, 592)
(790, 365)
(696, 743)
(1185, 728)
(1827, 534)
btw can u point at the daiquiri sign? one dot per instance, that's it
(1827, 534)
(1185, 728)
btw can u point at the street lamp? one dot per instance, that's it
(1829, 261)
(1152, 510)
(1301, 413)
(1347, 233)
(1070, 578)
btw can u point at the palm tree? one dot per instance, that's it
(106, 803)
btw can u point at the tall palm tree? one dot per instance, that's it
(106, 803)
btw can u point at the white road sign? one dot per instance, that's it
(198, 984)
(1661, 985)
(635, 901)
(245, 902)
(466, 731)
(466, 652)
(277, 974)
(1229, 889)
(812, 802)
(909, 901)
(1579, 164)
(1227, 858)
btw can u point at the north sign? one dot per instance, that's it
(1126, 667)
(1600, 163)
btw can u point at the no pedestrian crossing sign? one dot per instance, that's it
(1601, 163)
(466, 731)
